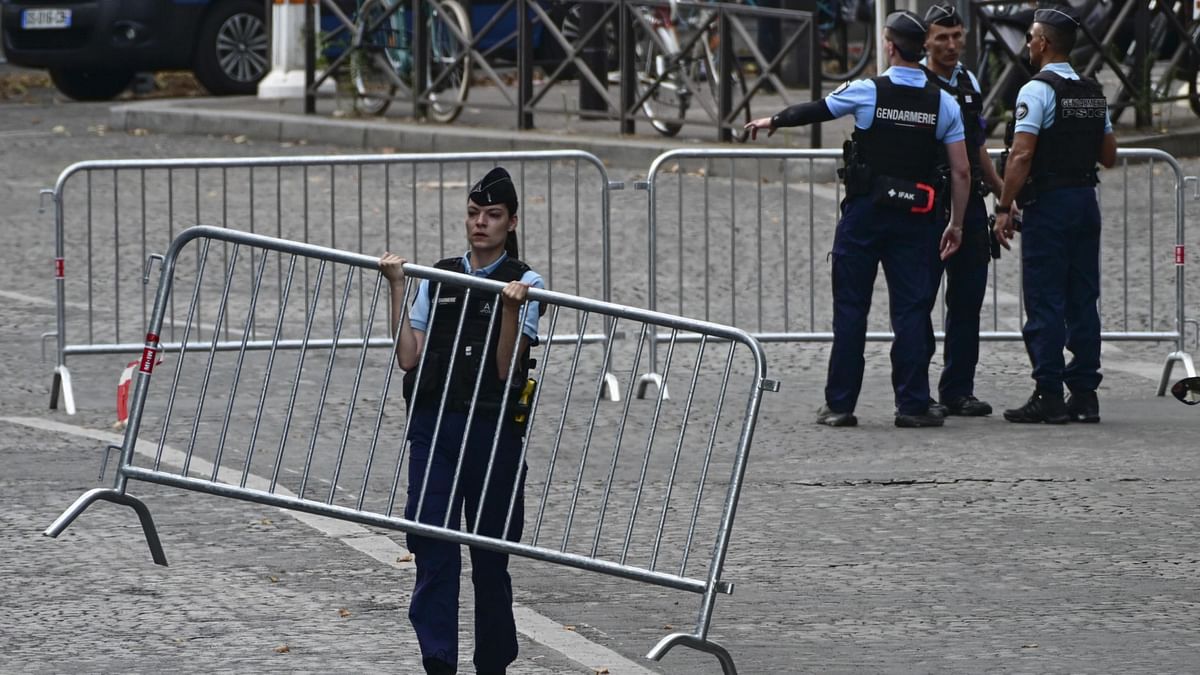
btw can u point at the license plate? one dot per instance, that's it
(37, 19)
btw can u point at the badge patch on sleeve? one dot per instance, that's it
(1022, 110)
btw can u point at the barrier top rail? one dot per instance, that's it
(326, 160)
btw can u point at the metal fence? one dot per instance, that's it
(742, 237)
(111, 215)
(644, 491)
(665, 62)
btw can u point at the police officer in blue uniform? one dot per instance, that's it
(1062, 130)
(491, 230)
(967, 271)
(888, 216)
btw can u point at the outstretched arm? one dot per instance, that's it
(792, 116)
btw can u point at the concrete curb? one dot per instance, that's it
(193, 116)
(186, 117)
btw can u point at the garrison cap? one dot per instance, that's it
(1061, 18)
(495, 188)
(943, 14)
(905, 23)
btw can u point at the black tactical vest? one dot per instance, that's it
(970, 102)
(471, 355)
(1067, 151)
(902, 141)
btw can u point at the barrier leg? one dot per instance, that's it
(612, 388)
(645, 381)
(62, 383)
(110, 495)
(687, 640)
(1188, 366)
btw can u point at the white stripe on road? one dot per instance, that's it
(533, 625)
(24, 133)
(34, 300)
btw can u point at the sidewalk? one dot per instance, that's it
(486, 125)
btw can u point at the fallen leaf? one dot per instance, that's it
(343, 612)
(265, 521)
(140, 132)
(570, 628)
(408, 557)
(59, 129)
(273, 579)
(668, 626)
(239, 139)
(600, 671)
(1031, 645)
(282, 649)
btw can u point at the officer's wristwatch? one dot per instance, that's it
(1003, 209)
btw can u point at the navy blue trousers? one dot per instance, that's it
(966, 284)
(1060, 254)
(434, 608)
(906, 246)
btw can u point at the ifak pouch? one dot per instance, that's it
(903, 195)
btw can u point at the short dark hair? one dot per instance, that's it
(1061, 40)
(910, 48)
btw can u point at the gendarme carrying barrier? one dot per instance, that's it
(742, 237)
(111, 215)
(642, 491)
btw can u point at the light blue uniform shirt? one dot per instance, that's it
(1035, 102)
(859, 97)
(418, 316)
(959, 69)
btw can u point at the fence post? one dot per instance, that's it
(524, 65)
(625, 42)
(310, 56)
(725, 93)
(420, 52)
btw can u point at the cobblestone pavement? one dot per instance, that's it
(982, 546)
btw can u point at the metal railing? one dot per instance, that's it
(111, 215)
(1147, 72)
(665, 57)
(739, 236)
(646, 493)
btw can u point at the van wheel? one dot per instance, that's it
(233, 52)
(91, 85)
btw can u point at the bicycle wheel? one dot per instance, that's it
(712, 66)
(449, 76)
(381, 58)
(846, 50)
(667, 102)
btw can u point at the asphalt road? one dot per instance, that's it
(978, 547)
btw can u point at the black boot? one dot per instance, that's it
(968, 406)
(1043, 406)
(1083, 406)
(435, 666)
(835, 419)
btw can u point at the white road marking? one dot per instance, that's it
(41, 302)
(24, 133)
(533, 625)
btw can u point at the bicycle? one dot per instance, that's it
(676, 62)
(846, 30)
(383, 62)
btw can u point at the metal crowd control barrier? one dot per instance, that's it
(644, 491)
(738, 235)
(109, 217)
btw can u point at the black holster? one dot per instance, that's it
(855, 174)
